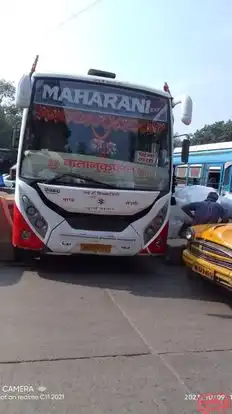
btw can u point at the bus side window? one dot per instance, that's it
(214, 178)
(227, 176)
(230, 179)
(227, 182)
(181, 174)
(194, 174)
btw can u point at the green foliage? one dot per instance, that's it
(218, 132)
(176, 140)
(9, 114)
(7, 92)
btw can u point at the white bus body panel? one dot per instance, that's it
(92, 200)
(62, 239)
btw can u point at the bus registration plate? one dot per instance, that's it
(96, 248)
(204, 272)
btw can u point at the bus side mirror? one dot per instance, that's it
(186, 108)
(23, 92)
(185, 151)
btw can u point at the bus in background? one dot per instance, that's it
(94, 169)
(209, 165)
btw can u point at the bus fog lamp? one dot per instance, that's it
(25, 235)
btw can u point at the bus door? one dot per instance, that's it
(214, 175)
(226, 186)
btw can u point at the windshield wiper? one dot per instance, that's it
(59, 177)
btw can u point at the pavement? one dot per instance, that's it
(109, 335)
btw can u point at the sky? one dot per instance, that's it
(184, 42)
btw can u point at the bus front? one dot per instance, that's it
(94, 167)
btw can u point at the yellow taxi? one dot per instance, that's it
(209, 252)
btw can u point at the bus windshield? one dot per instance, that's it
(117, 136)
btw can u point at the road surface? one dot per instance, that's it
(110, 336)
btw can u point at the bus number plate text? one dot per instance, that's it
(96, 248)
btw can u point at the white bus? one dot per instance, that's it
(94, 169)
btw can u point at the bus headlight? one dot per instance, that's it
(155, 224)
(34, 216)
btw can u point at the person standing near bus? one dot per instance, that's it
(207, 211)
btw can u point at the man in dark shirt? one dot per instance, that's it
(206, 212)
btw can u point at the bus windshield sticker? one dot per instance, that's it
(109, 123)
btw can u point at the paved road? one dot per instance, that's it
(110, 336)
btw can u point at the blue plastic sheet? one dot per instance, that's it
(2, 184)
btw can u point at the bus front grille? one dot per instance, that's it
(98, 222)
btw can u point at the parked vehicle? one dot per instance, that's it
(208, 253)
(95, 165)
(209, 165)
(8, 158)
(9, 179)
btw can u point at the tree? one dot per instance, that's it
(218, 132)
(9, 114)
(176, 140)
